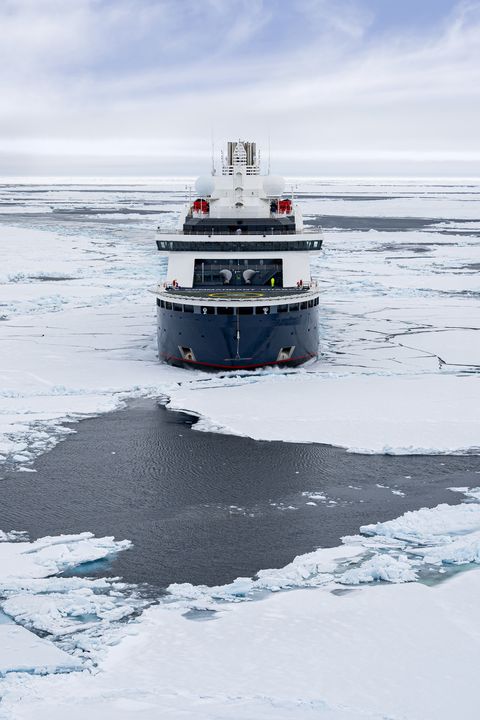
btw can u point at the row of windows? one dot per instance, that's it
(217, 246)
(229, 310)
(239, 227)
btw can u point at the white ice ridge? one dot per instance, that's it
(338, 646)
(52, 555)
(394, 551)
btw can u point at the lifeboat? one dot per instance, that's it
(285, 207)
(201, 206)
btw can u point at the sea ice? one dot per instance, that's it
(429, 526)
(399, 339)
(327, 651)
(399, 318)
(398, 414)
(380, 567)
(51, 555)
(22, 651)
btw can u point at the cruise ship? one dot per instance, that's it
(238, 293)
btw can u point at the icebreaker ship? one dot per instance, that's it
(238, 293)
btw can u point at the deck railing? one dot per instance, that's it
(240, 294)
(211, 232)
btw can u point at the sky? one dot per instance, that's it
(337, 87)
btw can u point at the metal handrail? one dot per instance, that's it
(295, 294)
(234, 236)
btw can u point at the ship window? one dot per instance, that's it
(188, 308)
(176, 307)
(310, 303)
(158, 302)
(303, 306)
(316, 301)
(208, 311)
(262, 310)
(277, 245)
(224, 310)
(245, 311)
(293, 307)
(283, 308)
(168, 305)
(215, 272)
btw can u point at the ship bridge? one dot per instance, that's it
(239, 200)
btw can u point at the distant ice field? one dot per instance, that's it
(399, 315)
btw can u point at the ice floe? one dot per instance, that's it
(398, 414)
(22, 651)
(51, 555)
(80, 614)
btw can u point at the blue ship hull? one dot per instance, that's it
(228, 342)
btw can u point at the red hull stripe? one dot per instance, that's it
(169, 358)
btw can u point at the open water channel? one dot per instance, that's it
(207, 508)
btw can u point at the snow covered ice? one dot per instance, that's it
(399, 320)
(362, 632)
(338, 645)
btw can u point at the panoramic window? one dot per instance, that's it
(238, 273)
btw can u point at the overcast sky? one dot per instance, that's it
(343, 87)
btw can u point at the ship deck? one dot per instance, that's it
(237, 293)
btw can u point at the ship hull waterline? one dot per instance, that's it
(237, 342)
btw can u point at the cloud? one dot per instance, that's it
(128, 82)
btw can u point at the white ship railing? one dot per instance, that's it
(249, 169)
(250, 296)
(234, 236)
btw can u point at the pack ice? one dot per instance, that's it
(364, 631)
(356, 637)
(399, 319)
(46, 605)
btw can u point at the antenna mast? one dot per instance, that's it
(213, 154)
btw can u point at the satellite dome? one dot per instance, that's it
(204, 185)
(273, 185)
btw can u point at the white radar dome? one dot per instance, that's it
(204, 185)
(273, 185)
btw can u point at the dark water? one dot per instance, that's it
(381, 224)
(143, 474)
